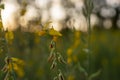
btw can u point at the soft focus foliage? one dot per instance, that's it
(34, 50)
(38, 49)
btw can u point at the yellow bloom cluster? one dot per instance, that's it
(18, 65)
(72, 57)
(9, 36)
(13, 64)
(47, 30)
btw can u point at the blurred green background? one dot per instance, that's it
(34, 50)
(96, 54)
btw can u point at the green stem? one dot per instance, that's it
(89, 10)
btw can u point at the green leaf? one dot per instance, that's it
(94, 75)
(81, 69)
(84, 12)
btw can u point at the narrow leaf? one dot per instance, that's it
(81, 69)
(94, 75)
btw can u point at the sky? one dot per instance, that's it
(63, 14)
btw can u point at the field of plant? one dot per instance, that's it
(31, 53)
(48, 54)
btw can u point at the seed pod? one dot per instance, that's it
(4, 69)
(55, 78)
(61, 60)
(50, 58)
(6, 76)
(53, 65)
(51, 46)
(52, 55)
(60, 77)
(7, 60)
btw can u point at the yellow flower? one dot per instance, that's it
(9, 36)
(18, 65)
(76, 43)
(69, 60)
(10, 66)
(18, 69)
(18, 61)
(77, 34)
(55, 38)
(69, 52)
(53, 32)
(41, 33)
(14, 64)
(71, 77)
